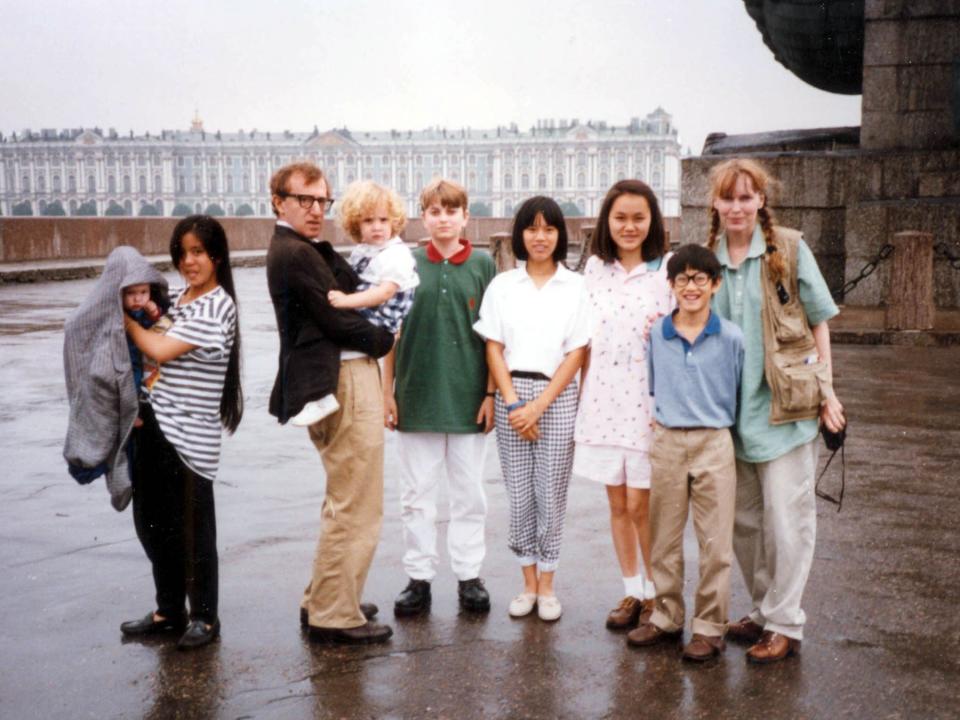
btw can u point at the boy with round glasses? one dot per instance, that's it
(694, 363)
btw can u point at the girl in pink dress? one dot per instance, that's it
(628, 290)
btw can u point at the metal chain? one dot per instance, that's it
(866, 271)
(948, 253)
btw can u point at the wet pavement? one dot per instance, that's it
(882, 640)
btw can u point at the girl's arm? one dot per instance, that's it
(371, 297)
(527, 416)
(584, 369)
(831, 411)
(500, 373)
(159, 347)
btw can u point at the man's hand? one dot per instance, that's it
(337, 299)
(485, 415)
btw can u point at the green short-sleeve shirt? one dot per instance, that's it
(740, 299)
(441, 367)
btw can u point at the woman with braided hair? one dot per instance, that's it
(775, 521)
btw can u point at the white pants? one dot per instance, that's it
(775, 529)
(423, 458)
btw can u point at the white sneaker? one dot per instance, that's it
(522, 604)
(548, 607)
(314, 412)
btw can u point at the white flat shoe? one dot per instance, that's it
(522, 604)
(548, 607)
(315, 411)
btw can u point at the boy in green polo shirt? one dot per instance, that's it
(437, 393)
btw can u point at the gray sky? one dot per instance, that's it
(374, 64)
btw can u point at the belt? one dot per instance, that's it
(528, 375)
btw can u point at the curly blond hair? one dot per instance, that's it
(364, 197)
(723, 180)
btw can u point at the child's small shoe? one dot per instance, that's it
(522, 604)
(548, 607)
(315, 411)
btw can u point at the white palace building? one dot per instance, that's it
(92, 172)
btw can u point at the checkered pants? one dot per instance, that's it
(537, 474)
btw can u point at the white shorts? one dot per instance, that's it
(612, 465)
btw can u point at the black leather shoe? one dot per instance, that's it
(473, 595)
(414, 600)
(369, 611)
(148, 626)
(199, 634)
(370, 632)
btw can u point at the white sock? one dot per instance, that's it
(649, 590)
(633, 586)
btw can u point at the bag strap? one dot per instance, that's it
(838, 501)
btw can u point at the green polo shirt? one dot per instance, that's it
(441, 367)
(740, 300)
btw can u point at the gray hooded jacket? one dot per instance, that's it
(100, 386)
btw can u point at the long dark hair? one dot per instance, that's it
(653, 246)
(212, 236)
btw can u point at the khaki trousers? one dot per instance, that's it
(350, 443)
(692, 467)
(775, 535)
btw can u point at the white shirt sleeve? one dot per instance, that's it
(396, 264)
(578, 329)
(489, 326)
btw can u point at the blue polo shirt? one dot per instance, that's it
(694, 385)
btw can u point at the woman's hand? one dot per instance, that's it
(485, 414)
(526, 416)
(831, 413)
(532, 434)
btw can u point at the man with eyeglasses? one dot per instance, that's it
(324, 350)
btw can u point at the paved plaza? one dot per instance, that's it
(882, 641)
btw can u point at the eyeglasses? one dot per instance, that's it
(699, 279)
(306, 201)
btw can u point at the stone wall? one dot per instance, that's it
(909, 75)
(812, 199)
(849, 205)
(66, 238)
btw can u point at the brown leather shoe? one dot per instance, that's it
(369, 611)
(703, 647)
(625, 614)
(649, 634)
(369, 632)
(744, 630)
(647, 612)
(772, 648)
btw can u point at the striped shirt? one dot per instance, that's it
(186, 395)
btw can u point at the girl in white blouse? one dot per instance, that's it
(535, 323)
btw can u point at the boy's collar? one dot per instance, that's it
(458, 258)
(670, 331)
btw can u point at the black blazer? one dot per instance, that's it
(312, 332)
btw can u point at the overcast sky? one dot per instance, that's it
(377, 65)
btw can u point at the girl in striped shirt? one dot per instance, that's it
(195, 392)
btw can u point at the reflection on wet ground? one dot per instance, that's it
(881, 638)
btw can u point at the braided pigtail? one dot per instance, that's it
(774, 258)
(714, 229)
